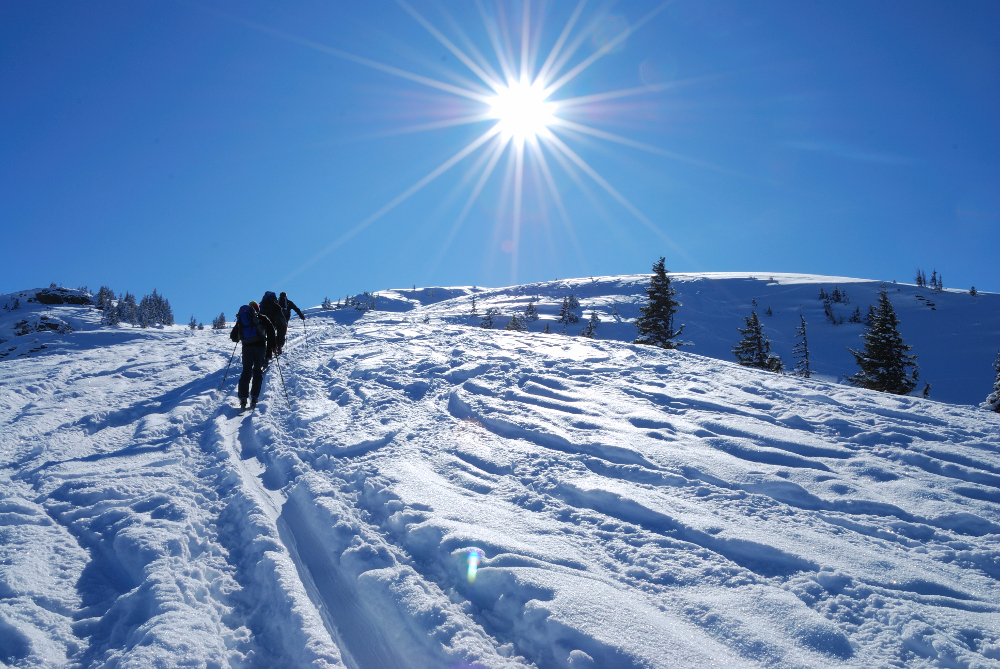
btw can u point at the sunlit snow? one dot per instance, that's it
(439, 495)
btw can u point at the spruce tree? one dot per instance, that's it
(473, 311)
(656, 319)
(110, 315)
(566, 315)
(327, 305)
(885, 361)
(801, 350)
(127, 310)
(992, 402)
(754, 350)
(973, 291)
(219, 322)
(489, 317)
(516, 323)
(192, 324)
(591, 327)
(531, 312)
(546, 330)
(573, 302)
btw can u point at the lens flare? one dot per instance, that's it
(521, 110)
(473, 559)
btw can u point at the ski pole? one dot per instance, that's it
(281, 375)
(227, 366)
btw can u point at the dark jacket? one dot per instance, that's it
(270, 308)
(286, 308)
(270, 335)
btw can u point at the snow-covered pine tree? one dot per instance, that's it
(591, 327)
(473, 311)
(934, 279)
(110, 315)
(835, 295)
(219, 322)
(105, 298)
(546, 330)
(573, 302)
(801, 350)
(201, 326)
(754, 350)
(614, 312)
(655, 322)
(566, 315)
(127, 310)
(856, 316)
(192, 324)
(516, 323)
(940, 284)
(769, 312)
(823, 295)
(885, 360)
(327, 305)
(973, 291)
(919, 278)
(146, 312)
(992, 402)
(531, 312)
(489, 317)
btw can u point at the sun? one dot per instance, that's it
(521, 111)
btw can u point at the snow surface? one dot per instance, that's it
(626, 506)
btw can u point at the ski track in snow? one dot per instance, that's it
(632, 508)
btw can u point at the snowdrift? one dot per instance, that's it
(437, 495)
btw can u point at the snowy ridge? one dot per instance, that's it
(955, 335)
(629, 507)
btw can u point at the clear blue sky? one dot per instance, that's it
(215, 150)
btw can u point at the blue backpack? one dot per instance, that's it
(250, 330)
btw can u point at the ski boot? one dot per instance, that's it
(243, 404)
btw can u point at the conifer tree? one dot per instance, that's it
(754, 350)
(489, 317)
(769, 312)
(327, 304)
(110, 315)
(531, 312)
(885, 361)
(591, 327)
(919, 279)
(801, 350)
(127, 310)
(192, 324)
(856, 316)
(219, 322)
(516, 323)
(573, 302)
(473, 311)
(566, 315)
(655, 322)
(973, 291)
(201, 326)
(546, 330)
(105, 298)
(992, 402)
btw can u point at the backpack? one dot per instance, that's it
(250, 329)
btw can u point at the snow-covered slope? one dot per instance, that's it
(955, 335)
(441, 496)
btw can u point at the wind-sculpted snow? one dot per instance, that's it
(445, 496)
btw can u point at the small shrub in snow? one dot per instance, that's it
(192, 324)
(201, 326)
(219, 322)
